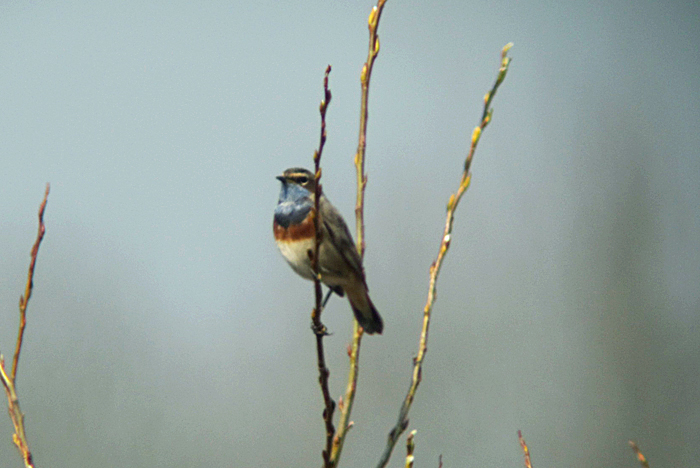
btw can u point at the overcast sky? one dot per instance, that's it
(165, 328)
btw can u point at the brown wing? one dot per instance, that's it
(340, 237)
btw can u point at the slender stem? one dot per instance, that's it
(345, 424)
(318, 327)
(24, 299)
(410, 448)
(365, 76)
(402, 422)
(640, 456)
(19, 437)
(526, 450)
(8, 381)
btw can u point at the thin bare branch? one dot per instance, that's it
(410, 448)
(24, 299)
(365, 76)
(9, 381)
(19, 437)
(640, 456)
(318, 327)
(345, 424)
(526, 450)
(402, 422)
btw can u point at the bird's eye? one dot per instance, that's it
(302, 180)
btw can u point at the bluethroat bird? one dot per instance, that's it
(340, 266)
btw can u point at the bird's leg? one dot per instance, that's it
(322, 330)
(325, 300)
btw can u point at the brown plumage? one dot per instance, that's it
(340, 265)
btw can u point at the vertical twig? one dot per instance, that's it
(24, 299)
(19, 437)
(345, 406)
(526, 450)
(8, 381)
(345, 424)
(640, 456)
(402, 422)
(319, 328)
(410, 448)
(365, 75)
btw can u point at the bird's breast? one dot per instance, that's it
(291, 232)
(294, 243)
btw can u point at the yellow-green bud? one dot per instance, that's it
(451, 202)
(372, 20)
(475, 135)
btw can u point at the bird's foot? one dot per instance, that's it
(319, 329)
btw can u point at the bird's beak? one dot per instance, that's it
(281, 179)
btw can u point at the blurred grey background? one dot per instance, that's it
(166, 330)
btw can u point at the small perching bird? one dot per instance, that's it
(339, 265)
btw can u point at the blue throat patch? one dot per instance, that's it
(293, 206)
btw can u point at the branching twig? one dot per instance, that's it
(526, 450)
(345, 424)
(640, 456)
(8, 381)
(19, 437)
(319, 328)
(402, 422)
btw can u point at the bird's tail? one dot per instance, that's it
(365, 312)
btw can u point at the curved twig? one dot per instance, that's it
(526, 450)
(640, 456)
(354, 352)
(402, 422)
(8, 381)
(318, 327)
(24, 299)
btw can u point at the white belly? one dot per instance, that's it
(296, 254)
(333, 268)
